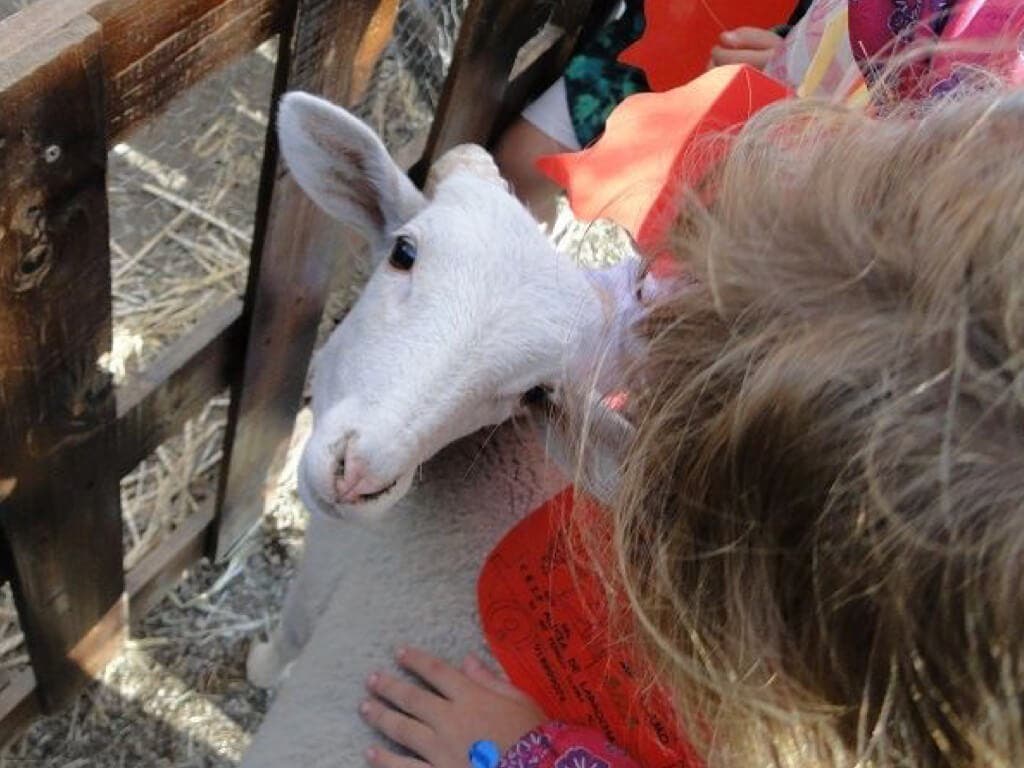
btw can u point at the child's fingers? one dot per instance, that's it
(400, 728)
(722, 56)
(473, 664)
(752, 38)
(441, 675)
(414, 699)
(480, 673)
(383, 758)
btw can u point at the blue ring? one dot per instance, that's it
(484, 754)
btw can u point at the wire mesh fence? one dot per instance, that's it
(407, 81)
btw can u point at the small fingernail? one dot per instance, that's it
(364, 708)
(728, 37)
(371, 754)
(373, 679)
(401, 653)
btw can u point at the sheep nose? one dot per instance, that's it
(348, 474)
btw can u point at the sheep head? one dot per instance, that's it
(468, 310)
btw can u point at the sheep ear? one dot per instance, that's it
(344, 167)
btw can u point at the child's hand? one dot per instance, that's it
(746, 45)
(440, 725)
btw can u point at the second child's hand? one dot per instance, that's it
(745, 45)
(439, 719)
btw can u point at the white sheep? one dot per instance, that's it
(469, 311)
(409, 577)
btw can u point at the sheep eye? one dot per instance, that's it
(403, 255)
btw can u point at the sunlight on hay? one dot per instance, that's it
(142, 682)
(171, 178)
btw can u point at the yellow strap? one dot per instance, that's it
(835, 32)
(859, 96)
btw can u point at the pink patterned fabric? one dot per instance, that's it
(999, 23)
(555, 745)
(986, 34)
(880, 29)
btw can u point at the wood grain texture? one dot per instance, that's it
(576, 21)
(62, 522)
(295, 246)
(474, 98)
(378, 34)
(152, 49)
(146, 584)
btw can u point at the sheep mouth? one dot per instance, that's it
(363, 498)
(368, 497)
(371, 505)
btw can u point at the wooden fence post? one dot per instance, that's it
(61, 519)
(294, 250)
(473, 103)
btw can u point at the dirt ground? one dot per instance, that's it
(182, 195)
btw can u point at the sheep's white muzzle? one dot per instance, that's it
(359, 505)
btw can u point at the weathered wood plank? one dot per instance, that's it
(378, 35)
(19, 693)
(531, 73)
(152, 49)
(474, 96)
(146, 584)
(292, 258)
(62, 521)
(575, 21)
(155, 404)
(582, 18)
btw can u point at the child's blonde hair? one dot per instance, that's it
(820, 527)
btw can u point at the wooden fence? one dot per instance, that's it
(77, 76)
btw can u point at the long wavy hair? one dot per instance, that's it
(820, 525)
